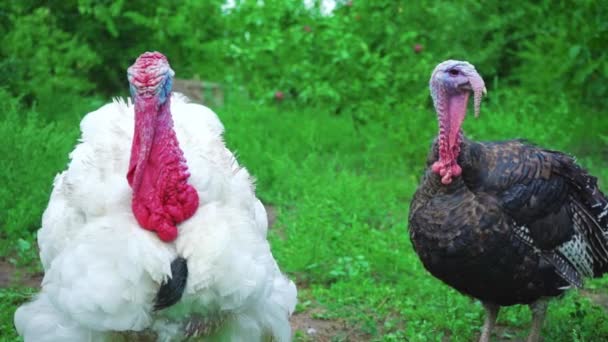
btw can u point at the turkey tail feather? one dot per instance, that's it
(172, 289)
(592, 211)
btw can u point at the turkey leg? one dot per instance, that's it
(488, 325)
(539, 309)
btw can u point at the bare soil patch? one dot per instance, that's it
(10, 275)
(600, 299)
(307, 328)
(509, 334)
(271, 212)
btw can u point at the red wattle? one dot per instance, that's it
(450, 122)
(158, 173)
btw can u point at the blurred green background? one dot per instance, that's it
(327, 104)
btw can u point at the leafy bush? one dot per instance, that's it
(58, 47)
(33, 152)
(42, 61)
(363, 55)
(370, 53)
(564, 50)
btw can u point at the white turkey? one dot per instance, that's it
(201, 267)
(504, 222)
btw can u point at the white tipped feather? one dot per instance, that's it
(102, 271)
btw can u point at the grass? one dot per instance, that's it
(341, 188)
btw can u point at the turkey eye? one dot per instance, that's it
(454, 72)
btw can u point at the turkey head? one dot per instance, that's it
(451, 83)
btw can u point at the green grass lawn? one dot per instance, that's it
(341, 190)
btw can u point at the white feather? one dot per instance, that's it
(102, 271)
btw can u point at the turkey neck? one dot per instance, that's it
(147, 113)
(154, 136)
(451, 110)
(158, 172)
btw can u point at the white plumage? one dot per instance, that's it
(102, 270)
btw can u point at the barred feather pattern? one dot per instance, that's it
(570, 261)
(585, 255)
(589, 207)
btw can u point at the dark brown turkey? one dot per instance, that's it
(504, 222)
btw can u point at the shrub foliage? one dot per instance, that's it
(362, 53)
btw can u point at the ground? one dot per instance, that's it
(339, 189)
(11, 276)
(304, 324)
(309, 325)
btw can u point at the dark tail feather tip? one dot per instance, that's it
(172, 289)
